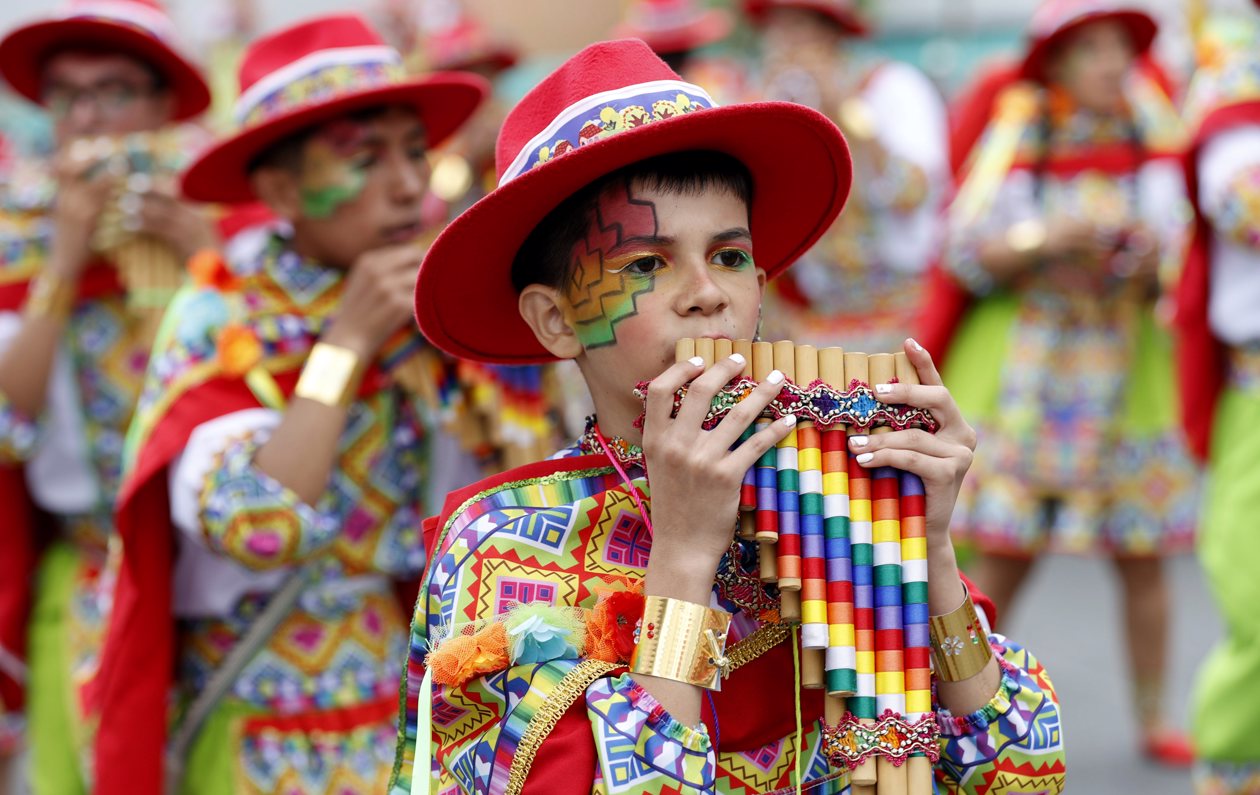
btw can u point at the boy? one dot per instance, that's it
(623, 221)
(74, 348)
(275, 467)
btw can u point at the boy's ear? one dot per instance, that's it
(543, 309)
(278, 189)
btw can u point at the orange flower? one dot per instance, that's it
(611, 626)
(238, 349)
(461, 658)
(208, 270)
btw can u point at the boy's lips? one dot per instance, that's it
(402, 233)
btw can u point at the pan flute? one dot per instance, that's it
(846, 548)
(149, 269)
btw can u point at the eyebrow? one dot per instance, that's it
(734, 233)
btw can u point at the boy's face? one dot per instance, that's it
(358, 187)
(1093, 64)
(89, 94)
(655, 267)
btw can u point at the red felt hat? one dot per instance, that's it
(467, 45)
(613, 104)
(139, 28)
(312, 72)
(1056, 19)
(842, 12)
(672, 26)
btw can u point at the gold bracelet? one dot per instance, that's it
(330, 376)
(960, 648)
(682, 641)
(50, 296)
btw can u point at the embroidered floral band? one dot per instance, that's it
(820, 403)
(318, 85)
(892, 737)
(602, 115)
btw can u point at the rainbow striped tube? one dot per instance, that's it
(890, 671)
(787, 461)
(863, 704)
(814, 632)
(841, 666)
(914, 591)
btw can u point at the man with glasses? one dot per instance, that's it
(75, 330)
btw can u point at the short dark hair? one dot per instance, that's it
(544, 257)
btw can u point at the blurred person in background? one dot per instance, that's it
(277, 465)
(682, 33)
(859, 286)
(1219, 354)
(1070, 211)
(74, 349)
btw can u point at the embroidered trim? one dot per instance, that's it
(756, 644)
(820, 403)
(999, 705)
(566, 692)
(892, 737)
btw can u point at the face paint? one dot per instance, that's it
(332, 174)
(607, 280)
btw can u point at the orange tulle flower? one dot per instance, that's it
(238, 349)
(463, 657)
(209, 270)
(610, 627)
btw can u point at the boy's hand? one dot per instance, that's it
(379, 296)
(696, 476)
(160, 213)
(941, 459)
(81, 196)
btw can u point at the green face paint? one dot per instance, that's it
(333, 169)
(604, 288)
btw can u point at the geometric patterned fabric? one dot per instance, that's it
(563, 538)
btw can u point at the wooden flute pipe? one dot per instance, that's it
(864, 776)
(789, 577)
(768, 557)
(918, 768)
(747, 515)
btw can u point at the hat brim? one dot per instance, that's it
(801, 172)
(850, 23)
(443, 102)
(24, 51)
(1142, 27)
(708, 28)
(499, 58)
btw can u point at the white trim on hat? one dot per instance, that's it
(585, 106)
(154, 20)
(310, 64)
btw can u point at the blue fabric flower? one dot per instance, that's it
(537, 640)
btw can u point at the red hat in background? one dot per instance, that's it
(139, 28)
(313, 72)
(1054, 20)
(613, 104)
(671, 26)
(844, 13)
(454, 39)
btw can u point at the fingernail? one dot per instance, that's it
(696, 361)
(858, 441)
(789, 420)
(865, 458)
(775, 377)
(915, 344)
(883, 389)
(738, 358)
